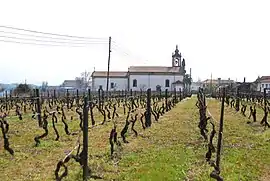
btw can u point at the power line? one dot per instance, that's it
(128, 53)
(51, 41)
(119, 50)
(39, 44)
(56, 38)
(45, 33)
(116, 47)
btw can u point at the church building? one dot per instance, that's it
(143, 77)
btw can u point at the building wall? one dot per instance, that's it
(121, 83)
(178, 87)
(151, 81)
(262, 85)
(195, 86)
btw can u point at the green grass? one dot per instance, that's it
(244, 155)
(172, 149)
(170, 163)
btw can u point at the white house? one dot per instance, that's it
(117, 80)
(263, 82)
(195, 86)
(143, 77)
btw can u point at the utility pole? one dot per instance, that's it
(108, 73)
(211, 86)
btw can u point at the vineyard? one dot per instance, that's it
(135, 136)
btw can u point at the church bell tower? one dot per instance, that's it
(177, 60)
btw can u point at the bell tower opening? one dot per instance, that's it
(176, 58)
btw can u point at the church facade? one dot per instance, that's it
(143, 77)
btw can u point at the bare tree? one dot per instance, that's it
(44, 86)
(84, 80)
(79, 82)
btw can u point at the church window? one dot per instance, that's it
(167, 83)
(112, 85)
(134, 82)
(262, 85)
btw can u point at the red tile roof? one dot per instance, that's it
(111, 74)
(155, 69)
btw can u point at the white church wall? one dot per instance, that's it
(151, 81)
(120, 83)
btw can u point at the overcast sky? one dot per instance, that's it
(230, 39)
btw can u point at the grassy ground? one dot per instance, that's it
(171, 149)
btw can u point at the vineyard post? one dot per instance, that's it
(166, 100)
(125, 97)
(141, 93)
(130, 92)
(148, 109)
(54, 96)
(265, 103)
(6, 101)
(174, 99)
(38, 108)
(219, 94)
(102, 97)
(237, 104)
(99, 98)
(180, 94)
(160, 94)
(122, 93)
(220, 132)
(85, 140)
(77, 96)
(67, 99)
(48, 94)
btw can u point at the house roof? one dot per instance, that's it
(159, 69)
(216, 81)
(111, 74)
(263, 79)
(208, 81)
(70, 83)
